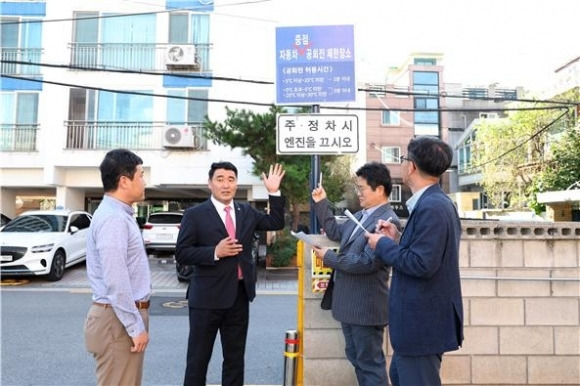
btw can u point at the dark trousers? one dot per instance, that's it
(364, 349)
(204, 324)
(420, 370)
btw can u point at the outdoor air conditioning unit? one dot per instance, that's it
(179, 137)
(180, 55)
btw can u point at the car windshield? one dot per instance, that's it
(37, 223)
(165, 218)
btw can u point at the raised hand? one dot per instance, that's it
(274, 177)
(318, 194)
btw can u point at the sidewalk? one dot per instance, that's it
(163, 278)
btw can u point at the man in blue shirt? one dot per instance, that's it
(117, 322)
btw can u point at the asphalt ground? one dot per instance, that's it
(164, 279)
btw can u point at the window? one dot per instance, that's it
(390, 154)
(426, 116)
(390, 118)
(395, 195)
(19, 117)
(191, 28)
(80, 221)
(425, 62)
(426, 122)
(104, 120)
(425, 77)
(20, 40)
(189, 112)
(126, 42)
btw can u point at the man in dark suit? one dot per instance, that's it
(223, 280)
(426, 311)
(361, 291)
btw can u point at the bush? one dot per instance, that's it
(283, 249)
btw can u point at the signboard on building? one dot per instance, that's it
(315, 64)
(317, 134)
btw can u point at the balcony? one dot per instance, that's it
(32, 55)
(130, 56)
(18, 137)
(98, 135)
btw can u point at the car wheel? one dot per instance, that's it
(57, 266)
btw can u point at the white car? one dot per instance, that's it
(160, 232)
(44, 242)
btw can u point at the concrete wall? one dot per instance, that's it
(521, 293)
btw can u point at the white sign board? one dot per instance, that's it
(317, 134)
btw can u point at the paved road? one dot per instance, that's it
(42, 340)
(164, 279)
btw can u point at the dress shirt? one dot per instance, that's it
(415, 197)
(117, 264)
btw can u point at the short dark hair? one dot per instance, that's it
(376, 174)
(118, 163)
(222, 165)
(431, 155)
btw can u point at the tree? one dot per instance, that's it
(562, 171)
(255, 135)
(509, 152)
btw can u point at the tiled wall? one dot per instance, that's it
(521, 294)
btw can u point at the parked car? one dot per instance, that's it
(160, 232)
(184, 272)
(44, 242)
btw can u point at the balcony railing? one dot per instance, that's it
(94, 135)
(18, 137)
(32, 55)
(130, 56)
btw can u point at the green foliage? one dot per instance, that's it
(562, 171)
(510, 152)
(283, 249)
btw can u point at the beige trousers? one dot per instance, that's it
(107, 340)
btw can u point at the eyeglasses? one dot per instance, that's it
(359, 189)
(403, 159)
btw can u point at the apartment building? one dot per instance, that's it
(410, 103)
(407, 105)
(81, 78)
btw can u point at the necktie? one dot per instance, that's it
(231, 228)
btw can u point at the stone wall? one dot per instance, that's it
(521, 294)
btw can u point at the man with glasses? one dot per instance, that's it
(425, 311)
(360, 295)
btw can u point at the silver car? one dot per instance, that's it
(160, 232)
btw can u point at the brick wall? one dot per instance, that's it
(521, 294)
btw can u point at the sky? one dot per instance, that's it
(510, 42)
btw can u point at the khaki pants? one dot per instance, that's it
(107, 340)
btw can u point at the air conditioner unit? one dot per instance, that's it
(180, 55)
(179, 137)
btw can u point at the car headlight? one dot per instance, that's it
(42, 248)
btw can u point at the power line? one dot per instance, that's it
(135, 92)
(220, 78)
(134, 72)
(521, 144)
(36, 80)
(444, 94)
(110, 16)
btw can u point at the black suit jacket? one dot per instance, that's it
(214, 283)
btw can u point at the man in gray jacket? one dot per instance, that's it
(360, 295)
